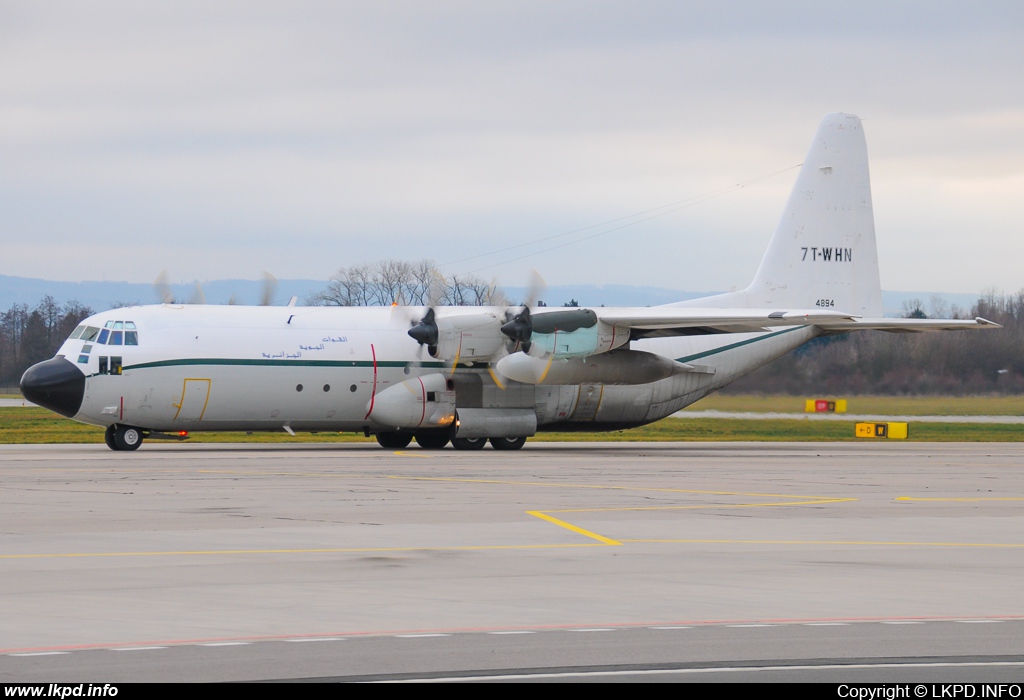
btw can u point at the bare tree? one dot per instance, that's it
(389, 282)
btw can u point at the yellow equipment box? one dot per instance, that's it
(895, 431)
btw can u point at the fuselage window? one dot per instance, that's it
(83, 359)
(131, 337)
(86, 349)
(102, 340)
(103, 365)
(90, 333)
(116, 338)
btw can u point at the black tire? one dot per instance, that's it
(127, 438)
(394, 441)
(469, 443)
(108, 437)
(432, 441)
(508, 443)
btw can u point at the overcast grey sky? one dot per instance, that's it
(222, 139)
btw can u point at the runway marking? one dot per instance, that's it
(354, 634)
(317, 639)
(327, 550)
(827, 624)
(418, 636)
(963, 500)
(573, 528)
(224, 644)
(605, 487)
(591, 629)
(135, 648)
(832, 542)
(687, 671)
(412, 454)
(976, 622)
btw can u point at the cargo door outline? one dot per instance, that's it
(198, 395)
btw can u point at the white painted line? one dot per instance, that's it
(134, 648)
(417, 636)
(593, 629)
(750, 625)
(901, 622)
(318, 639)
(977, 622)
(225, 644)
(826, 624)
(671, 627)
(512, 632)
(695, 671)
(41, 653)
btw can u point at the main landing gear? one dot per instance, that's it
(123, 438)
(437, 440)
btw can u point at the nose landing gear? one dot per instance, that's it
(123, 438)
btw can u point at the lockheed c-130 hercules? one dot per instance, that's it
(494, 374)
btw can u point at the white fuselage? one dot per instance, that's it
(206, 368)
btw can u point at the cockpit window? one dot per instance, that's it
(90, 333)
(129, 326)
(116, 338)
(78, 333)
(118, 325)
(102, 340)
(131, 338)
(108, 324)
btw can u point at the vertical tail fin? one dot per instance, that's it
(823, 252)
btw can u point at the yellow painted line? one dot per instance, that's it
(962, 500)
(411, 454)
(570, 526)
(862, 543)
(706, 505)
(605, 487)
(332, 550)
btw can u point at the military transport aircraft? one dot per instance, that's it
(494, 374)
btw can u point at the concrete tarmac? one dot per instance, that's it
(621, 561)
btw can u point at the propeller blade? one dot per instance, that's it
(197, 295)
(162, 287)
(269, 288)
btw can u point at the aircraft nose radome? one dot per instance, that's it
(55, 384)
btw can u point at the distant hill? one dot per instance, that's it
(104, 295)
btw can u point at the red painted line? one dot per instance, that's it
(423, 395)
(121, 417)
(497, 628)
(373, 391)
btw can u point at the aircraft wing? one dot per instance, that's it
(664, 321)
(657, 322)
(908, 325)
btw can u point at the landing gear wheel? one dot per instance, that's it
(127, 438)
(508, 443)
(431, 441)
(469, 443)
(108, 437)
(394, 441)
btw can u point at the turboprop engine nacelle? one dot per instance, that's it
(573, 333)
(617, 367)
(469, 337)
(420, 402)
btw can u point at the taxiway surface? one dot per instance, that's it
(225, 562)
